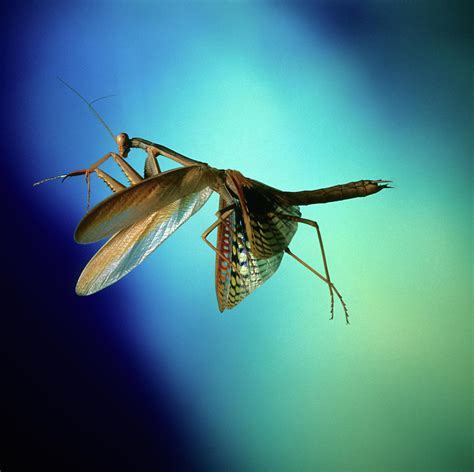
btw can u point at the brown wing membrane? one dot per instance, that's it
(135, 203)
(233, 285)
(263, 210)
(130, 246)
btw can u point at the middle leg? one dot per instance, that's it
(222, 215)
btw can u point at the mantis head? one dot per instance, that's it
(123, 144)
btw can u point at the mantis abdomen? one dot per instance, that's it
(361, 188)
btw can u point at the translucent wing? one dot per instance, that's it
(263, 210)
(233, 285)
(138, 202)
(130, 246)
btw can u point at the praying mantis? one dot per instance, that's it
(255, 222)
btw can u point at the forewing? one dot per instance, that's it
(246, 273)
(130, 246)
(136, 203)
(264, 209)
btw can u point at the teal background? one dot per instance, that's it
(299, 96)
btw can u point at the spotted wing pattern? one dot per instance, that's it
(246, 273)
(130, 246)
(263, 210)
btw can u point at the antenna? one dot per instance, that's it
(89, 104)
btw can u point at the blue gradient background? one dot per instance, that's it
(299, 96)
